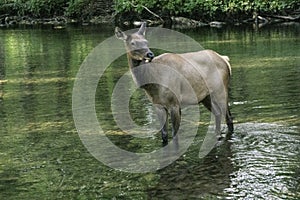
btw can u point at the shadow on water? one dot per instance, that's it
(195, 179)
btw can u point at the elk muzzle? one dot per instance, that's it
(149, 56)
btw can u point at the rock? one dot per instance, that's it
(217, 24)
(183, 22)
(137, 23)
(102, 19)
(3, 82)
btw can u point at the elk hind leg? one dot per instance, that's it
(218, 117)
(216, 110)
(229, 120)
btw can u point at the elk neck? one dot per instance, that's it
(132, 62)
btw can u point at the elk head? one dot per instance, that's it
(136, 45)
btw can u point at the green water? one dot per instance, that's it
(42, 156)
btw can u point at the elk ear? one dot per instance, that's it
(120, 34)
(142, 29)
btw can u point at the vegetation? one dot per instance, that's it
(35, 8)
(208, 9)
(48, 8)
(196, 9)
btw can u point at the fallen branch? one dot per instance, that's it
(286, 18)
(152, 13)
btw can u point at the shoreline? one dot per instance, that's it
(60, 22)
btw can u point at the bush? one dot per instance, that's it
(76, 8)
(34, 8)
(197, 9)
(209, 9)
(51, 8)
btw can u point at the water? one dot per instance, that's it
(42, 157)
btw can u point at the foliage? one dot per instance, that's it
(77, 8)
(50, 8)
(35, 8)
(207, 8)
(192, 8)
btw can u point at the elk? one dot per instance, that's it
(210, 86)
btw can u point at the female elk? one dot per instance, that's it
(207, 72)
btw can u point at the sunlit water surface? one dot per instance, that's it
(42, 157)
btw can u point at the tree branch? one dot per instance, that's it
(286, 18)
(154, 14)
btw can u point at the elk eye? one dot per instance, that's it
(132, 43)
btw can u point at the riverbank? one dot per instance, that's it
(62, 22)
(56, 22)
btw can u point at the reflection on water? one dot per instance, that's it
(192, 178)
(41, 155)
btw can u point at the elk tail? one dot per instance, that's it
(226, 59)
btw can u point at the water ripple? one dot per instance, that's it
(267, 158)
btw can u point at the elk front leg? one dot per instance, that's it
(176, 119)
(162, 114)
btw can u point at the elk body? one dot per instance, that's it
(207, 72)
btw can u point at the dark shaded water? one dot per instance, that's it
(42, 157)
